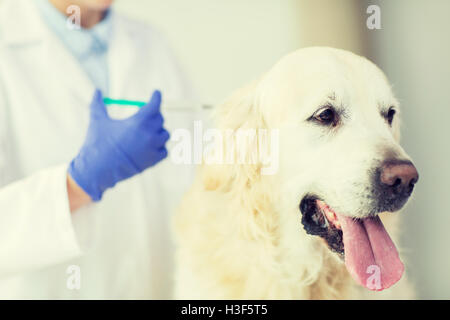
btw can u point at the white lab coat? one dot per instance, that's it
(122, 244)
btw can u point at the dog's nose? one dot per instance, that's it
(398, 177)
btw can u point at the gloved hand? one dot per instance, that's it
(115, 150)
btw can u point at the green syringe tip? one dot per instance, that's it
(121, 102)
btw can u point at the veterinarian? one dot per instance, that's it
(85, 196)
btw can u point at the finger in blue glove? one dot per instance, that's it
(115, 150)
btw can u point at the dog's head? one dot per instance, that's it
(340, 161)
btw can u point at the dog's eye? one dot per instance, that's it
(326, 116)
(390, 115)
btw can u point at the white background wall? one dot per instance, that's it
(222, 44)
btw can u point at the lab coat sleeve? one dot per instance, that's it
(35, 221)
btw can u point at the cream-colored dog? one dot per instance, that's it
(311, 230)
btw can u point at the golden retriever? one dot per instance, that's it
(311, 228)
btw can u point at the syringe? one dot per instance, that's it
(168, 105)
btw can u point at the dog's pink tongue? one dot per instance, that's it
(370, 255)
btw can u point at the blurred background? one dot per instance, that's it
(225, 44)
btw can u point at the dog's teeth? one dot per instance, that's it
(326, 224)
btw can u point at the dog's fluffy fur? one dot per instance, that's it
(238, 232)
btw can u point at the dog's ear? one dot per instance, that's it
(237, 114)
(240, 110)
(249, 190)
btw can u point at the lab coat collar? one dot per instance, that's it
(81, 42)
(122, 55)
(23, 17)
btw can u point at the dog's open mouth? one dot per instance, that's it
(369, 253)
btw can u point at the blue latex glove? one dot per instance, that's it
(115, 150)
